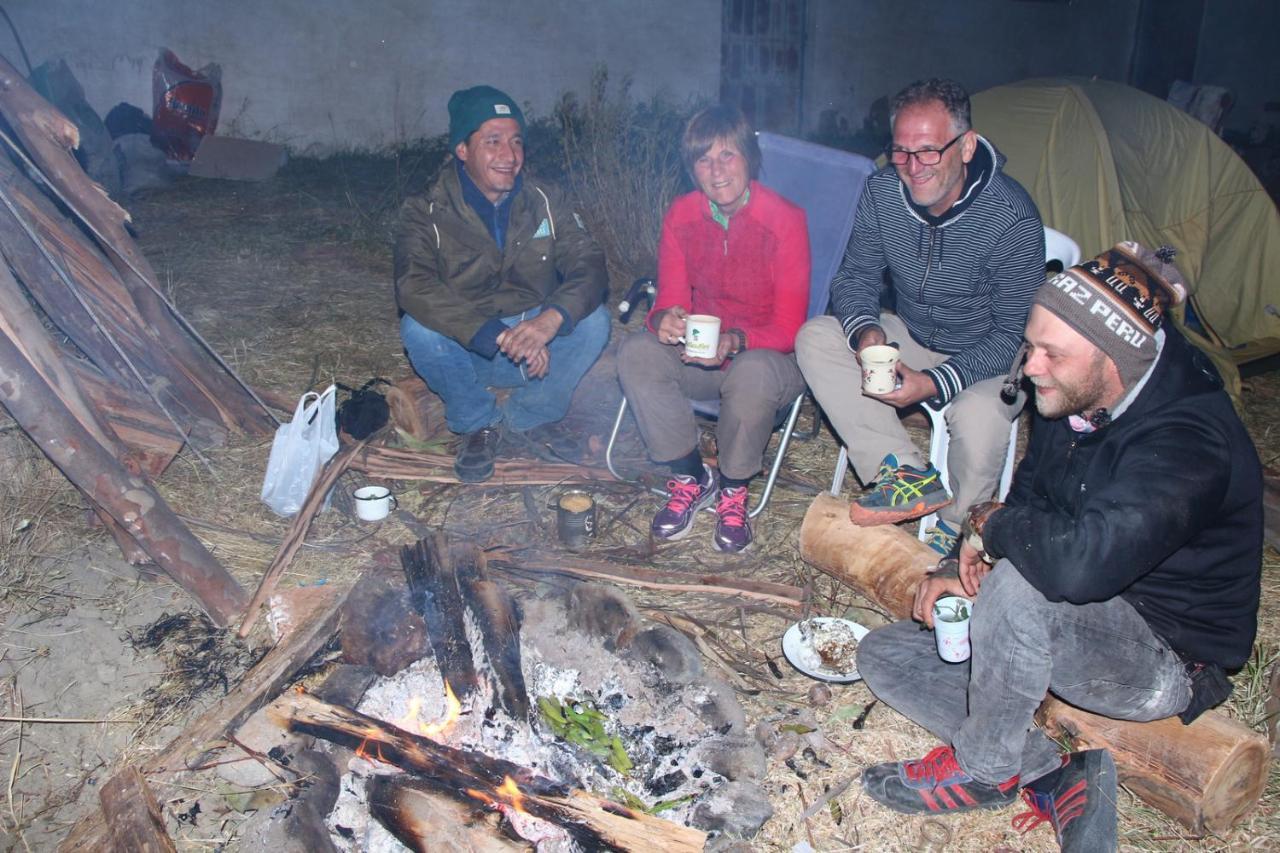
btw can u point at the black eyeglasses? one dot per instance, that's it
(925, 156)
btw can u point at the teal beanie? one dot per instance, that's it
(470, 108)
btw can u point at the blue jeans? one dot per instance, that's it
(462, 378)
(1101, 657)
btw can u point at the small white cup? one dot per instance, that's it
(701, 336)
(949, 630)
(879, 368)
(373, 503)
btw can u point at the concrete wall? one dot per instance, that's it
(860, 50)
(321, 75)
(1238, 50)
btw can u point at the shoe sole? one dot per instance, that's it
(688, 528)
(875, 517)
(715, 543)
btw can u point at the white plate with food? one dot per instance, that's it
(825, 648)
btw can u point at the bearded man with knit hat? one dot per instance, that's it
(498, 284)
(1121, 574)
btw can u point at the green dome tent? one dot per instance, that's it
(1106, 162)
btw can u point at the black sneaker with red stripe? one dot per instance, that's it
(934, 784)
(1079, 800)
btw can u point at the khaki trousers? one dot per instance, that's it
(977, 419)
(659, 386)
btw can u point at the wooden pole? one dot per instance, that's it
(1207, 775)
(130, 809)
(126, 498)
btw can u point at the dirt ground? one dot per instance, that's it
(290, 281)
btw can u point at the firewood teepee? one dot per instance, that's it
(96, 365)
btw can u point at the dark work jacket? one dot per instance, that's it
(454, 279)
(1163, 506)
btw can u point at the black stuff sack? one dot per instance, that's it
(365, 411)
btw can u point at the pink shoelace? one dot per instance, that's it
(683, 495)
(732, 507)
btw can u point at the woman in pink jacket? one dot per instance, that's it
(734, 249)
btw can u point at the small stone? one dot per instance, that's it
(604, 613)
(819, 695)
(719, 707)
(737, 809)
(674, 654)
(732, 757)
(766, 734)
(262, 735)
(785, 746)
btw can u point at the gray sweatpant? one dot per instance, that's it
(977, 419)
(1102, 657)
(659, 386)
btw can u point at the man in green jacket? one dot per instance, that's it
(499, 284)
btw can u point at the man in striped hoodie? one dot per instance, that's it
(964, 249)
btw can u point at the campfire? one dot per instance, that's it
(566, 724)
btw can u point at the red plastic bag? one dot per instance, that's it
(185, 105)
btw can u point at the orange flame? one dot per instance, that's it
(507, 796)
(411, 722)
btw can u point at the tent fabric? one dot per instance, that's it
(1105, 162)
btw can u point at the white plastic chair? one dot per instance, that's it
(1061, 248)
(1057, 247)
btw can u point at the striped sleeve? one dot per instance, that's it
(1016, 270)
(855, 290)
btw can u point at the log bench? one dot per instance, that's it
(1207, 775)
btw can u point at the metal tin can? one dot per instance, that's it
(575, 518)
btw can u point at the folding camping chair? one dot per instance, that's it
(1057, 247)
(827, 183)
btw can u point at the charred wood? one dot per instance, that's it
(433, 588)
(595, 824)
(429, 822)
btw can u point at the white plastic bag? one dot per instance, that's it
(300, 449)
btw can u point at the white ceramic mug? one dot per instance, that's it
(701, 335)
(879, 368)
(373, 503)
(951, 627)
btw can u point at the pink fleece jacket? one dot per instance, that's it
(753, 276)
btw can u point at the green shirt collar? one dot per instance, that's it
(720, 217)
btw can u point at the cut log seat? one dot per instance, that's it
(1207, 775)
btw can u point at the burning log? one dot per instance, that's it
(429, 822)
(499, 622)
(433, 589)
(446, 579)
(1207, 774)
(594, 823)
